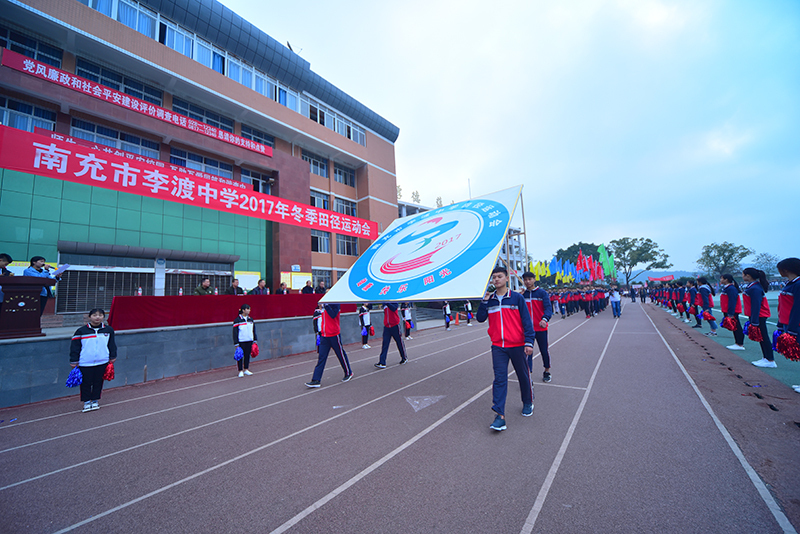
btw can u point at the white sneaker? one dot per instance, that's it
(365, 346)
(87, 406)
(95, 405)
(248, 373)
(687, 321)
(241, 374)
(763, 362)
(734, 347)
(409, 337)
(796, 388)
(469, 324)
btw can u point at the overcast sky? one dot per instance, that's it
(678, 121)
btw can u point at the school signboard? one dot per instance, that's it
(443, 254)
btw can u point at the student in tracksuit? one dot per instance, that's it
(757, 308)
(365, 322)
(468, 311)
(731, 306)
(330, 339)
(91, 349)
(541, 311)
(706, 293)
(789, 300)
(391, 330)
(244, 335)
(511, 332)
(694, 300)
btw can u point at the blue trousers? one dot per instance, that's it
(500, 358)
(325, 346)
(389, 333)
(615, 307)
(541, 340)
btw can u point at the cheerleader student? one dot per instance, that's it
(694, 300)
(757, 308)
(707, 293)
(244, 335)
(789, 300)
(731, 306)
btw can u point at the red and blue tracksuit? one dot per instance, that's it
(789, 307)
(731, 306)
(330, 338)
(510, 330)
(757, 309)
(539, 308)
(391, 330)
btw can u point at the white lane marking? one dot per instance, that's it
(349, 483)
(219, 381)
(210, 423)
(261, 448)
(761, 488)
(527, 528)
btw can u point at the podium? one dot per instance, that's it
(19, 311)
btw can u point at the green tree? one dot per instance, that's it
(571, 253)
(767, 262)
(629, 252)
(438, 202)
(725, 258)
(415, 197)
(399, 192)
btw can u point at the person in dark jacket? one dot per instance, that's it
(244, 335)
(541, 311)
(706, 293)
(731, 306)
(308, 289)
(330, 338)
(234, 289)
(92, 348)
(204, 288)
(260, 289)
(757, 308)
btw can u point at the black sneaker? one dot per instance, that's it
(313, 384)
(698, 326)
(347, 377)
(546, 377)
(404, 360)
(380, 365)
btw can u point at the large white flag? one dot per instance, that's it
(443, 254)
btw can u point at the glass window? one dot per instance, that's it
(321, 275)
(25, 116)
(103, 135)
(260, 182)
(134, 15)
(30, 47)
(344, 175)
(115, 80)
(346, 245)
(175, 37)
(202, 115)
(258, 136)
(320, 241)
(319, 165)
(344, 206)
(200, 163)
(320, 200)
(265, 85)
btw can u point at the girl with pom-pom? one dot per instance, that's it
(706, 294)
(92, 348)
(789, 310)
(757, 308)
(731, 306)
(244, 335)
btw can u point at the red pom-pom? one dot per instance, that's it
(754, 333)
(729, 324)
(707, 316)
(788, 346)
(693, 310)
(254, 350)
(681, 308)
(109, 374)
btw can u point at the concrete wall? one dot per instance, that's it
(36, 369)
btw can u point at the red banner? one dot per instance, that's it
(662, 279)
(66, 79)
(45, 156)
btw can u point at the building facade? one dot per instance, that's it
(279, 130)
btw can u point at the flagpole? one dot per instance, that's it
(524, 230)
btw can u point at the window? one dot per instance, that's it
(320, 241)
(287, 97)
(175, 37)
(138, 17)
(265, 85)
(240, 72)
(321, 275)
(319, 165)
(103, 6)
(200, 163)
(209, 55)
(317, 112)
(260, 182)
(202, 115)
(117, 81)
(320, 200)
(258, 136)
(344, 206)
(25, 116)
(340, 275)
(344, 175)
(346, 245)
(103, 135)
(30, 47)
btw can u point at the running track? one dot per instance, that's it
(621, 441)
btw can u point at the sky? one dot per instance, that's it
(673, 120)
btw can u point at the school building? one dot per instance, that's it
(192, 105)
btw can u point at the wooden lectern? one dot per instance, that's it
(19, 311)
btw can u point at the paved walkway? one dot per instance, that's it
(641, 430)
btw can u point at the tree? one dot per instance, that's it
(438, 202)
(399, 192)
(725, 258)
(632, 251)
(767, 262)
(415, 197)
(571, 253)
